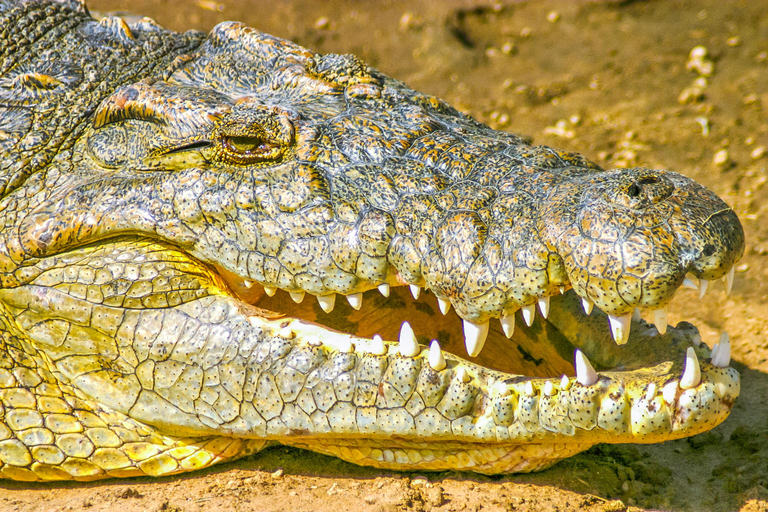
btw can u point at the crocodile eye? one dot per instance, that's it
(243, 144)
(248, 150)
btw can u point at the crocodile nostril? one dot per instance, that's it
(648, 180)
(634, 190)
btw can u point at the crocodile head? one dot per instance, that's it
(239, 174)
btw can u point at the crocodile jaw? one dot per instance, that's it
(446, 413)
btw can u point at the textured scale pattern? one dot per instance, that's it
(148, 179)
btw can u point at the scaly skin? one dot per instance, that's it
(149, 180)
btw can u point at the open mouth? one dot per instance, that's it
(553, 367)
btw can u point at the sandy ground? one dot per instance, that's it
(606, 79)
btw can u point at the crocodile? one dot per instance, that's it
(168, 200)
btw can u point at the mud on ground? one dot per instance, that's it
(606, 79)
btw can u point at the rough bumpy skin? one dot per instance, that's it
(149, 180)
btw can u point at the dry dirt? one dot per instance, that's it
(604, 79)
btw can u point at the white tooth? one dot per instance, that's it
(544, 306)
(588, 304)
(345, 345)
(620, 327)
(636, 315)
(297, 297)
(384, 289)
(691, 373)
(728, 280)
(409, 347)
(549, 388)
(444, 305)
(713, 352)
(314, 341)
(378, 347)
(529, 388)
(529, 314)
(415, 291)
(660, 320)
(355, 300)
(462, 375)
(562, 289)
(435, 357)
(669, 392)
(270, 290)
(703, 284)
(288, 334)
(691, 281)
(248, 283)
(585, 374)
(475, 336)
(326, 302)
(696, 340)
(650, 393)
(565, 383)
(501, 388)
(722, 358)
(508, 325)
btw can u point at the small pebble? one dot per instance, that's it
(553, 16)
(721, 158)
(758, 152)
(278, 473)
(322, 23)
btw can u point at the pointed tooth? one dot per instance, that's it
(384, 289)
(462, 375)
(529, 314)
(528, 389)
(355, 300)
(508, 325)
(435, 357)
(691, 281)
(562, 289)
(722, 358)
(588, 304)
(549, 388)
(660, 320)
(345, 345)
(669, 392)
(696, 340)
(270, 291)
(650, 393)
(692, 372)
(585, 374)
(409, 347)
(326, 302)
(415, 291)
(500, 388)
(297, 297)
(713, 352)
(544, 306)
(620, 327)
(636, 315)
(378, 347)
(728, 280)
(248, 283)
(475, 336)
(287, 333)
(703, 285)
(444, 305)
(565, 383)
(314, 341)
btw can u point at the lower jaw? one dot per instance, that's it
(516, 407)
